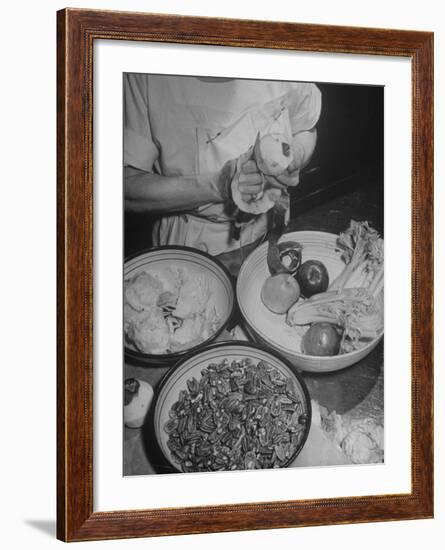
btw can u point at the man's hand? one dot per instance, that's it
(289, 178)
(251, 181)
(240, 176)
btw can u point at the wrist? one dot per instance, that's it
(208, 183)
(218, 183)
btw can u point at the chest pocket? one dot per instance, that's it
(215, 146)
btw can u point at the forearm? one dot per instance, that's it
(148, 192)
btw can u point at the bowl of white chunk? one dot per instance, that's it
(176, 300)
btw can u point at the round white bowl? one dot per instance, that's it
(194, 261)
(271, 329)
(176, 380)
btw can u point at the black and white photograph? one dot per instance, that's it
(221, 232)
(253, 274)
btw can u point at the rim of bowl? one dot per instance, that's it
(150, 421)
(163, 357)
(324, 359)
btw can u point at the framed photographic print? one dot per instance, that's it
(232, 353)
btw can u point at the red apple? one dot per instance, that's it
(313, 277)
(322, 339)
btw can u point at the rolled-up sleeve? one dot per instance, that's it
(304, 103)
(140, 150)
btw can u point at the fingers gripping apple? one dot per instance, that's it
(273, 155)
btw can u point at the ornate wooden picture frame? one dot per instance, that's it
(77, 31)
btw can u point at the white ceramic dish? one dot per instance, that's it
(191, 366)
(269, 328)
(192, 261)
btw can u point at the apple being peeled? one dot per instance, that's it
(280, 292)
(273, 154)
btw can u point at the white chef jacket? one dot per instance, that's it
(177, 125)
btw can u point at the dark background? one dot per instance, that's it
(350, 130)
(348, 158)
(345, 172)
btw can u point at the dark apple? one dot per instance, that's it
(313, 277)
(322, 339)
